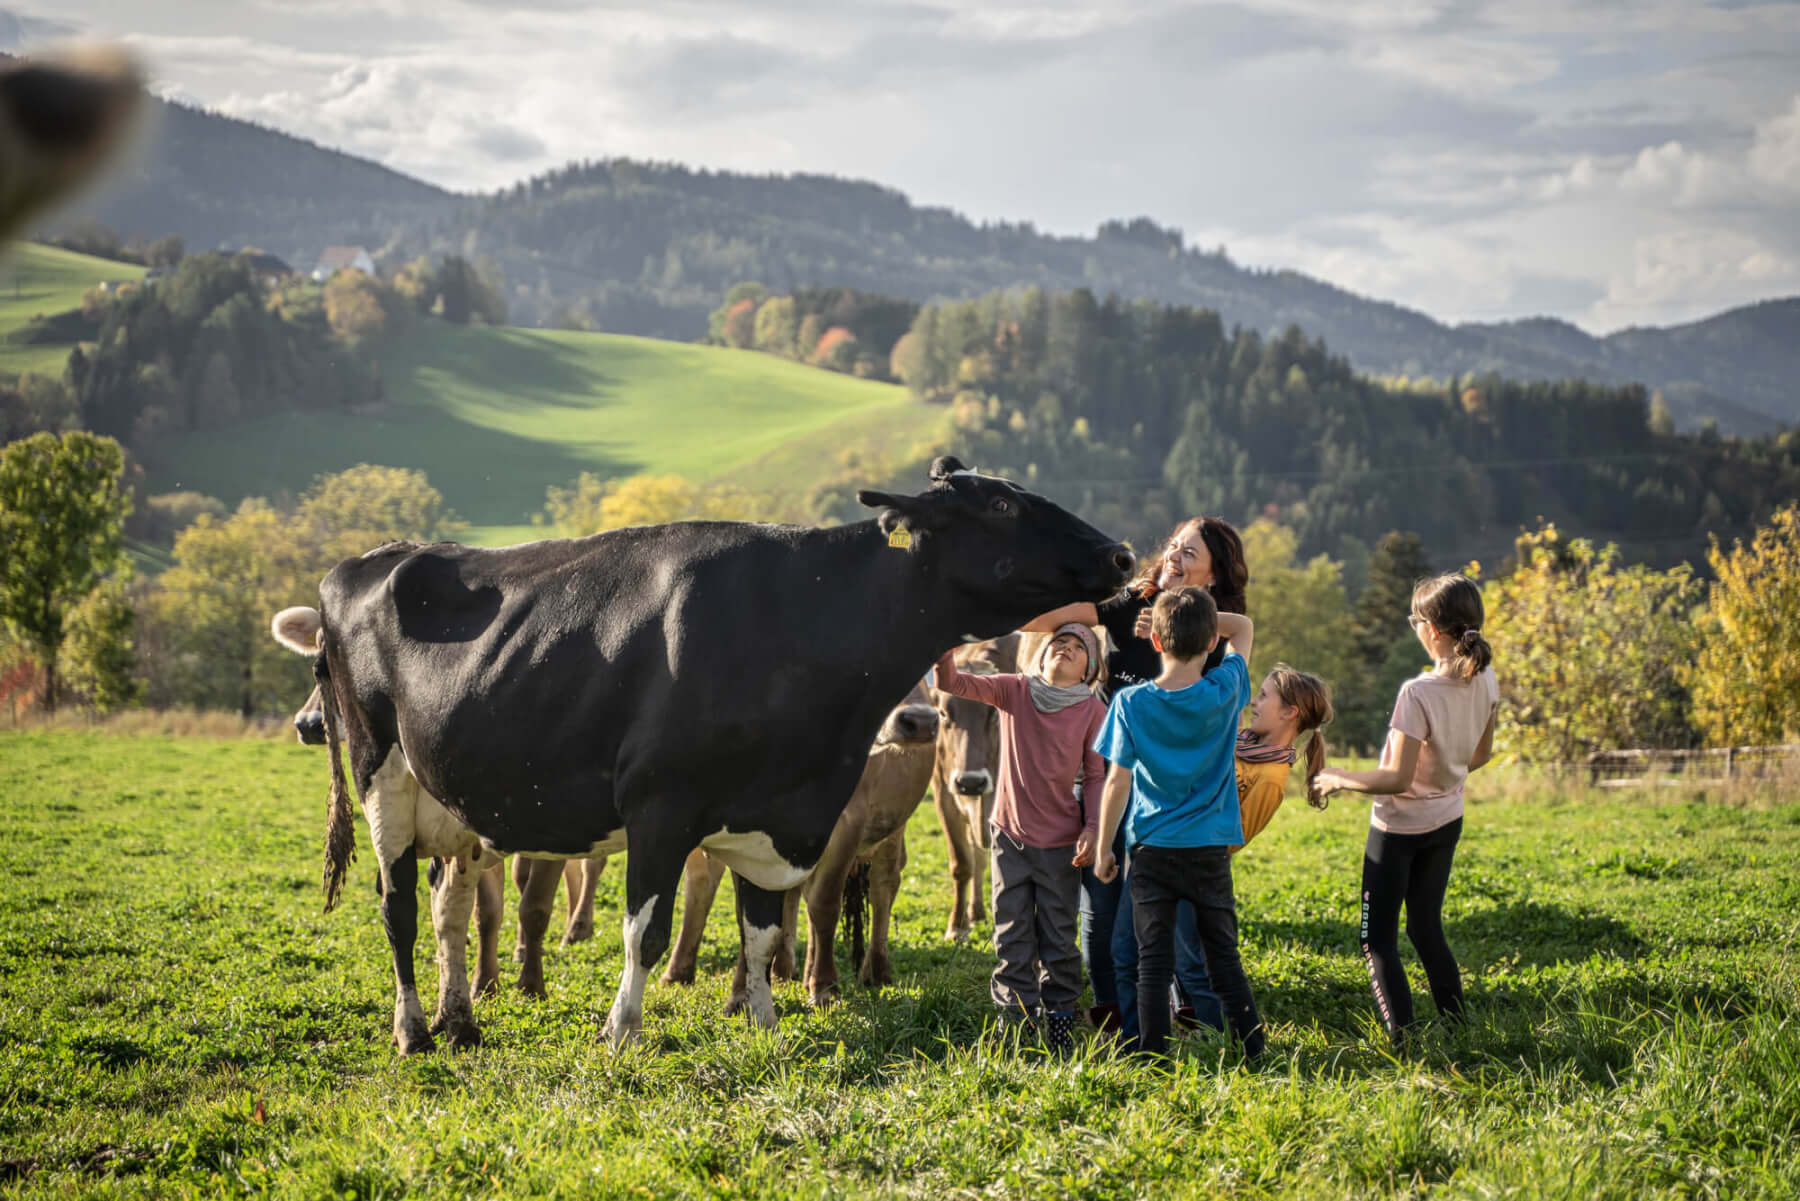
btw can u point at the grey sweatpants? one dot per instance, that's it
(1037, 894)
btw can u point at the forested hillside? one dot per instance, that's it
(635, 247)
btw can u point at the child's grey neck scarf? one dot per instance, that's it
(1050, 699)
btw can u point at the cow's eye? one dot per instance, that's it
(1002, 506)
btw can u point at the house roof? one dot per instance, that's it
(265, 263)
(340, 256)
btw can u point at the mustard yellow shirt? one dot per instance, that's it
(1260, 788)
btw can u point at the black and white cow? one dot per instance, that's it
(298, 629)
(712, 684)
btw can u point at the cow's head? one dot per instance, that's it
(61, 120)
(1014, 552)
(299, 630)
(913, 720)
(969, 731)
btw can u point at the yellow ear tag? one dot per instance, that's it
(900, 539)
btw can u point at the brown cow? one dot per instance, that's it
(962, 781)
(870, 832)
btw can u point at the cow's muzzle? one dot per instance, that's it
(310, 727)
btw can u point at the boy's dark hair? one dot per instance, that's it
(1185, 621)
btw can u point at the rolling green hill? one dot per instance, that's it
(494, 416)
(42, 281)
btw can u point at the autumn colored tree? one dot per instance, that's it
(211, 613)
(592, 504)
(1300, 611)
(1746, 678)
(351, 511)
(1590, 655)
(62, 515)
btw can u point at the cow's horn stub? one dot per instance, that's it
(944, 466)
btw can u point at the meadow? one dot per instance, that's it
(495, 416)
(41, 281)
(178, 1018)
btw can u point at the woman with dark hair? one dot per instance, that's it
(1202, 552)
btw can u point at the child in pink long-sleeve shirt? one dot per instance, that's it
(1043, 822)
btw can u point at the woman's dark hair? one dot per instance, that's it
(1452, 603)
(1231, 575)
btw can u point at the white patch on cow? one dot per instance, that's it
(298, 629)
(612, 844)
(752, 854)
(983, 777)
(759, 949)
(627, 1016)
(451, 903)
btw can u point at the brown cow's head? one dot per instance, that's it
(913, 720)
(969, 731)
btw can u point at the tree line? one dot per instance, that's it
(1593, 654)
(217, 341)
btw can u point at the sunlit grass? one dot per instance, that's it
(178, 1018)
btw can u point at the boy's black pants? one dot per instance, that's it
(1161, 878)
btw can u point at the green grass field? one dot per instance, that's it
(177, 1018)
(495, 416)
(41, 281)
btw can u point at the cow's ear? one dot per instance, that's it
(298, 629)
(895, 510)
(943, 467)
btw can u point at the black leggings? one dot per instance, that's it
(1409, 869)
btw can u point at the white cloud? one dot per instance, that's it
(1699, 270)
(1468, 157)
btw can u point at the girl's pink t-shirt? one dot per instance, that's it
(1448, 716)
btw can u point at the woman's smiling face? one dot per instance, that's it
(1186, 563)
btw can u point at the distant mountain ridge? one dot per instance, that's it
(647, 248)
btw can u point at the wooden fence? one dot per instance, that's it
(1624, 769)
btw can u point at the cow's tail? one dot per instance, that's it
(340, 815)
(856, 911)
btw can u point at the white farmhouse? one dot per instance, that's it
(337, 258)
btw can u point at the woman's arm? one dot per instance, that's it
(1484, 750)
(1081, 611)
(1401, 759)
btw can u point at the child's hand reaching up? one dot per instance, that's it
(1084, 850)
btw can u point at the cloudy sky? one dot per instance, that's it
(1614, 162)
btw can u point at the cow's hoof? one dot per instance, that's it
(414, 1039)
(877, 977)
(823, 998)
(783, 969)
(462, 1034)
(579, 932)
(737, 1003)
(485, 985)
(678, 975)
(532, 989)
(957, 934)
(618, 1033)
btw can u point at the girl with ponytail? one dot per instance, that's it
(1442, 729)
(1289, 703)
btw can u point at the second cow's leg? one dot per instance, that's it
(536, 899)
(958, 842)
(582, 876)
(701, 884)
(885, 867)
(490, 915)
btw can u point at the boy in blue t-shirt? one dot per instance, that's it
(1170, 742)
